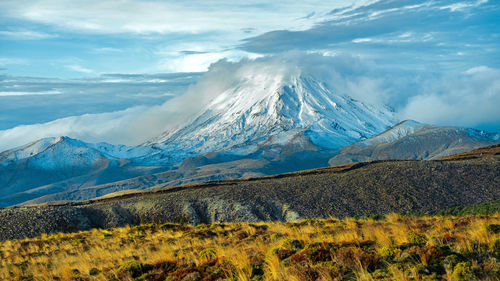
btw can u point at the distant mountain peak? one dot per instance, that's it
(398, 131)
(410, 139)
(265, 107)
(28, 150)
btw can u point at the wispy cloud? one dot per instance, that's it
(90, 127)
(8, 61)
(459, 6)
(143, 17)
(25, 34)
(24, 100)
(404, 32)
(467, 99)
(79, 68)
(22, 93)
(104, 50)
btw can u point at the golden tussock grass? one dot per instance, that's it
(397, 248)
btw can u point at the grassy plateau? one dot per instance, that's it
(390, 247)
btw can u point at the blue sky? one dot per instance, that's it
(84, 38)
(68, 39)
(434, 61)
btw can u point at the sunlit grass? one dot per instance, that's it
(397, 248)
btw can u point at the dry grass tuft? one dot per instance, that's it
(398, 248)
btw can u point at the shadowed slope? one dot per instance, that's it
(356, 189)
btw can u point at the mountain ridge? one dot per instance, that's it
(354, 189)
(410, 139)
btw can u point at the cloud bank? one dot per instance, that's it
(470, 99)
(25, 100)
(467, 98)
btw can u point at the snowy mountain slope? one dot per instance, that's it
(271, 109)
(413, 140)
(64, 151)
(57, 164)
(398, 131)
(260, 109)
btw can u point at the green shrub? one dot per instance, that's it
(145, 277)
(282, 253)
(134, 268)
(259, 227)
(462, 271)
(380, 273)
(388, 252)
(293, 244)
(416, 238)
(489, 208)
(93, 271)
(497, 244)
(432, 277)
(449, 262)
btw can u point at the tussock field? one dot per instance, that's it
(393, 248)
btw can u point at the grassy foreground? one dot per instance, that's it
(395, 248)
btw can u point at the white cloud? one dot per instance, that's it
(79, 68)
(144, 17)
(478, 69)
(463, 5)
(470, 99)
(104, 50)
(197, 61)
(26, 34)
(362, 40)
(89, 127)
(23, 93)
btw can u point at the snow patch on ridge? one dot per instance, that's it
(400, 130)
(64, 152)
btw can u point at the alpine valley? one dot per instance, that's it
(263, 123)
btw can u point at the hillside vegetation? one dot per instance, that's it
(481, 209)
(382, 187)
(396, 248)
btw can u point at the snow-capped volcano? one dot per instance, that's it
(273, 108)
(259, 121)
